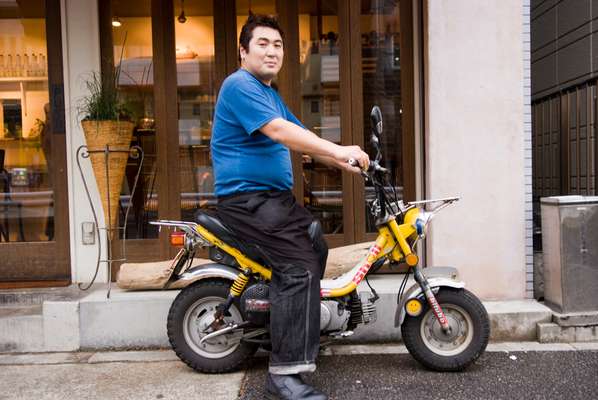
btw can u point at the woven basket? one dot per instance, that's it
(117, 135)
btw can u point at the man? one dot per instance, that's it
(252, 133)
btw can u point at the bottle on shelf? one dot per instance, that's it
(26, 68)
(43, 70)
(33, 65)
(10, 67)
(18, 67)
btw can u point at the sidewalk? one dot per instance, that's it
(160, 375)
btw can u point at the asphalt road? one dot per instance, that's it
(520, 375)
(347, 373)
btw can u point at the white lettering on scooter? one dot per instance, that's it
(363, 270)
(437, 310)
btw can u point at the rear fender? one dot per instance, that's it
(204, 271)
(416, 291)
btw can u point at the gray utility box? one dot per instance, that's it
(570, 245)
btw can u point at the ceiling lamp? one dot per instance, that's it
(116, 22)
(182, 19)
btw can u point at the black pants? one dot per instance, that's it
(279, 226)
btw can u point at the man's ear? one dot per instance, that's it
(242, 52)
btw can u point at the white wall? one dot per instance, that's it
(81, 53)
(475, 142)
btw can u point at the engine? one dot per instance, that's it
(336, 315)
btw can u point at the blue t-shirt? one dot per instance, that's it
(244, 159)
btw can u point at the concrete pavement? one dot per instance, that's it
(369, 371)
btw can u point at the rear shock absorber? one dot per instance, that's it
(238, 285)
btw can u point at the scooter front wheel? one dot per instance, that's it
(453, 351)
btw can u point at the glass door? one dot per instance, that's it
(384, 71)
(381, 83)
(196, 97)
(33, 198)
(131, 32)
(325, 110)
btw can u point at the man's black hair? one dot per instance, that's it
(253, 21)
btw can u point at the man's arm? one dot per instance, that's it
(304, 141)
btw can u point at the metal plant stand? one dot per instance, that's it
(135, 152)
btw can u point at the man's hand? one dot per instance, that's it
(345, 153)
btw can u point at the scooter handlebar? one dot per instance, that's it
(374, 166)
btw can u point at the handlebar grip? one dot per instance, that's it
(353, 162)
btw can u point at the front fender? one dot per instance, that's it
(415, 290)
(204, 271)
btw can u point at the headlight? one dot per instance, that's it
(421, 223)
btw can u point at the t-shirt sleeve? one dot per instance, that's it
(250, 105)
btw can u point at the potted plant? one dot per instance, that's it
(107, 124)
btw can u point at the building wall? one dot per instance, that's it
(81, 53)
(475, 143)
(564, 44)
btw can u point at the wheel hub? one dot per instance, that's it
(456, 339)
(196, 324)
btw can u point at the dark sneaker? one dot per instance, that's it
(290, 387)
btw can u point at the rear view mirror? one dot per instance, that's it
(376, 119)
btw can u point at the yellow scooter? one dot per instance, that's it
(221, 316)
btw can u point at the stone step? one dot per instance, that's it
(137, 319)
(36, 296)
(21, 329)
(550, 332)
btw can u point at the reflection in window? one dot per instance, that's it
(320, 108)
(26, 192)
(132, 42)
(380, 52)
(194, 41)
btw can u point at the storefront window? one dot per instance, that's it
(320, 108)
(380, 52)
(132, 44)
(26, 187)
(244, 7)
(196, 91)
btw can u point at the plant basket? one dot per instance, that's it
(117, 135)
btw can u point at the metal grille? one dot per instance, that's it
(564, 146)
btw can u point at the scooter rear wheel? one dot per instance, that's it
(190, 314)
(470, 330)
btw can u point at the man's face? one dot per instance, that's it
(264, 58)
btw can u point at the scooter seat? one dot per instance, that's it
(223, 233)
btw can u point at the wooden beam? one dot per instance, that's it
(57, 165)
(166, 115)
(289, 78)
(225, 39)
(346, 23)
(230, 28)
(357, 128)
(106, 40)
